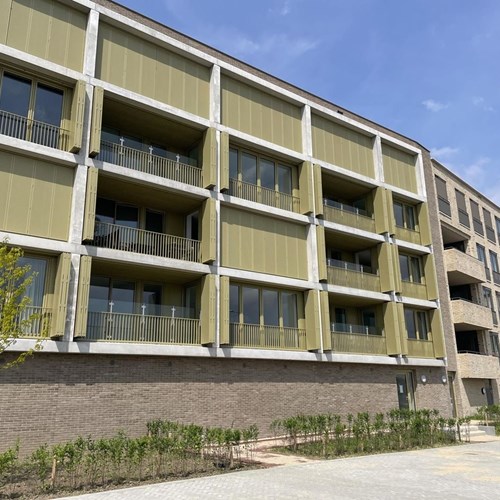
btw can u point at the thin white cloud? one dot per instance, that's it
(475, 172)
(444, 152)
(481, 103)
(434, 106)
(283, 10)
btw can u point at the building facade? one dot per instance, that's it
(213, 245)
(470, 228)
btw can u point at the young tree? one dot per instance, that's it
(15, 316)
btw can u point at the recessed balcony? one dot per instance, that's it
(357, 339)
(468, 315)
(267, 337)
(348, 215)
(463, 269)
(476, 365)
(130, 239)
(352, 275)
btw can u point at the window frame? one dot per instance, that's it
(410, 222)
(420, 318)
(414, 268)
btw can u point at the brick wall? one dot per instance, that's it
(56, 397)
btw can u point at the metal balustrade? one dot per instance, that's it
(411, 235)
(267, 337)
(149, 163)
(420, 348)
(136, 240)
(259, 194)
(39, 325)
(123, 327)
(352, 275)
(35, 131)
(348, 215)
(357, 339)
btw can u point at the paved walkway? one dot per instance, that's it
(457, 472)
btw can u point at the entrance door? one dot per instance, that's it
(406, 399)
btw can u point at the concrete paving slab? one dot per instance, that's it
(457, 472)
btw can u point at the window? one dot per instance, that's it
(443, 203)
(497, 223)
(36, 290)
(264, 172)
(490, 233)
(494, 261)
(263, 306)
(417, 324)
(463, 216)
(30, 110)
(411, 268)
(404, 215)
(495, 344)
(476, 218)
(481, 254)
(406, 396)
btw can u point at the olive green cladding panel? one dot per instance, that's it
(403, 334)
(257, 113)
(392, 328)
(399, 168)
(342, 146)
(263, 244)
(61, 295)
(386, 267)
(390, 211)
(208, 231)
(151, 70)
(82, 302)
(437, 334)
(209, 158)
(224, 310)
(306, 189)
(96, 124)
(424, 224)
(224, 161)
(313, 326)
(208, 309)
(318, 191)
(321, 250)
(45, 28)
(90, 204)
(325, 321)
(35, 197)
(430, 277)
(77, 116)
(381, 210)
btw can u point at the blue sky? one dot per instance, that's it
(429, 69)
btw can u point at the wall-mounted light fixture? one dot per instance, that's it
(444, 379)
(423, 379)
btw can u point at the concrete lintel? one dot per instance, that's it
(405, 194)
(329, 167)
(78, 205)
(256, 277)
(357, 292)
(410, 301)
(341, 228)
(38, 243)
(421, 249)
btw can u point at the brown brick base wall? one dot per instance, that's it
(56, 397)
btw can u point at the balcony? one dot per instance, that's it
(45, 134)
(413, 289)
(476, 365)
(470, 316)
(348, 215)
(463, 269)
(410, 235)
(267, 337)
(143, 328)
(357, 339)
(420, 348)
(39, 326)
(149, 163)
(352, 275)
(259, 194)
(130, 239)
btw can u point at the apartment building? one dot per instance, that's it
(213, 245)
(470, 228)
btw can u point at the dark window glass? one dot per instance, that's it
(267, 174)
(405, 267)
(122, 296)
(399, 214)
(411, 328)
(15, 95)
(289, 306)
(234, 304)
(248, 168)
(284, 179)
(270, 305)
(48, 105)
(423, 328)
(154, 221)
(233, 163)
(152, 299)
(99, 294)
(250, 297)
(127, 216)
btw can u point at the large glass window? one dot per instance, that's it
(411, 268)
(404, 215)
(38, 268)
(263, 306)
(417, 324)
(494, 261)
(481, 253)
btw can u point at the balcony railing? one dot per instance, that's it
(357, 339)
(122, 327)
(409, 235)
(420, 348)
(30, 130)
(39, 326)
(414, 289)
(149, 163)
(348, 215)
(259, 194)
(267, 337)
(352, 275)
(131, 239)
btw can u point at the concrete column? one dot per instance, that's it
(89, 59)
